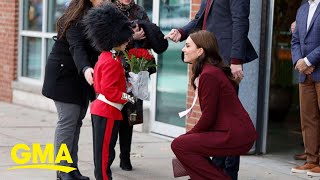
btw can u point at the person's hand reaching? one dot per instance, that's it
(174, 35)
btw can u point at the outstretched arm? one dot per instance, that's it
(182, 33)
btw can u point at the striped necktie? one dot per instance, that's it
(206, 15)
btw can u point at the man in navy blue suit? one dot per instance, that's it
(229, 21)
(305, 49)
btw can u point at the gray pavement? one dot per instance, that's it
(151, 154)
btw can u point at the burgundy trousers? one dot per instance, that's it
(194, 152)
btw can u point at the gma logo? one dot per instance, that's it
(36, 158)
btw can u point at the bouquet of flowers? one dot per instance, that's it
(139, 60)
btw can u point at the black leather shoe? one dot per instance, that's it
(64, 176)
(77, 175)
(126, 165)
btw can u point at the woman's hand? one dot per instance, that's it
(138, 33)
(88, 74)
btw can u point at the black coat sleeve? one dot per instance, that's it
(154, 36)
(193, 24)
(240, 10)
(77, 41)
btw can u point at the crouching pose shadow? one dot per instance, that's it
(224, 128)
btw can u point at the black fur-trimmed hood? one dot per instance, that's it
(106, 27)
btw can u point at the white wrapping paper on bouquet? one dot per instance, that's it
(139, 84)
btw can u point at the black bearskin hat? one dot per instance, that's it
(107, 27)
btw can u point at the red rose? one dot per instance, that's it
(149, 57)
(139, 59)
(132, 52)
(144, 53)
(139, 53)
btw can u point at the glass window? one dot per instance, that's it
(172, 73)
(31, 45)
(174, 13)
(32, 15)
(147, 5)
(55, 11)
(31, 57)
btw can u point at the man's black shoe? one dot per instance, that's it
(77, 175)
(126, 165)
(64, 176)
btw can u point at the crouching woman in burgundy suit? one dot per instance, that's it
(224, 128)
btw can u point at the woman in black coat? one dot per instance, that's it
(146, 35)
(69, 78)
(133, 12)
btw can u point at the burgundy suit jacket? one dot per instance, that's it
(222, 111)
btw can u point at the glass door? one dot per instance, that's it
(172, 78)
(168, 87)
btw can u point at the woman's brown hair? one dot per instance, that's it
(208, 42)
(75, 10)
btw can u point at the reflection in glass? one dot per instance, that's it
(31, 57)
(172, 73)
(32, 15)
(55, 10)
(50, 43)
(174, 13)
(147, 5)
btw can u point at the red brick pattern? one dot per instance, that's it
(9, 10)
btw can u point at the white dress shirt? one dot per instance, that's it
(313, 4)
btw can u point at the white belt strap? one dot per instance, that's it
(183, 113)
(102, 98)
(189, 111)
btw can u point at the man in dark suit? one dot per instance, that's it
(229, 21)
(305, 49)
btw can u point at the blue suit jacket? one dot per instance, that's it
(229, 21)
(303, 1)
(306, 42)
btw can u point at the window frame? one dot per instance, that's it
(156, 126)
(44, 35)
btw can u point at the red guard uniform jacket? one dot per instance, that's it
(110, 81)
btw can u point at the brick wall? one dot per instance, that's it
(8, 46)
(196, 113)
